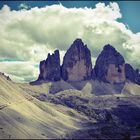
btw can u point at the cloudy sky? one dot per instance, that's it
(29, 30)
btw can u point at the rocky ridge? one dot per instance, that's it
(110, 66)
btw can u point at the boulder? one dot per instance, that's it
(77, 64)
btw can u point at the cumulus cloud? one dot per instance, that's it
(23, 6)
(20, 71)
(28, 35)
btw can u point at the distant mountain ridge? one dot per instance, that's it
(110, 66)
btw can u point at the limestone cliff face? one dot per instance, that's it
(77, 64)
(50, 68)
(115, 74)
(110, 66)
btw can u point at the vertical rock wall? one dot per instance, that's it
(77, 64)
(50, 68)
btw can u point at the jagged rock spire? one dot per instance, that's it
(77, 64)
(50, 68)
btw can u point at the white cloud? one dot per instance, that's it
(20, 71)
(28, 35)
(23, 6)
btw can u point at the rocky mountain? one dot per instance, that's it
(76, 107)
(77, 64)
(50, 68)
(110, 66)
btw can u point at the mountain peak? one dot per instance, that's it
(78, 40)
(109, 47)
(78, 43)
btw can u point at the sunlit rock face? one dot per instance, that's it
(50, 68)
(77, 64)
(115, 74)
(110, 66)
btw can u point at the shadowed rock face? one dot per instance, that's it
(132, 74)
(50, 68)
(129, 72)
(137, 76)
(110, 66)
(77, 64)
